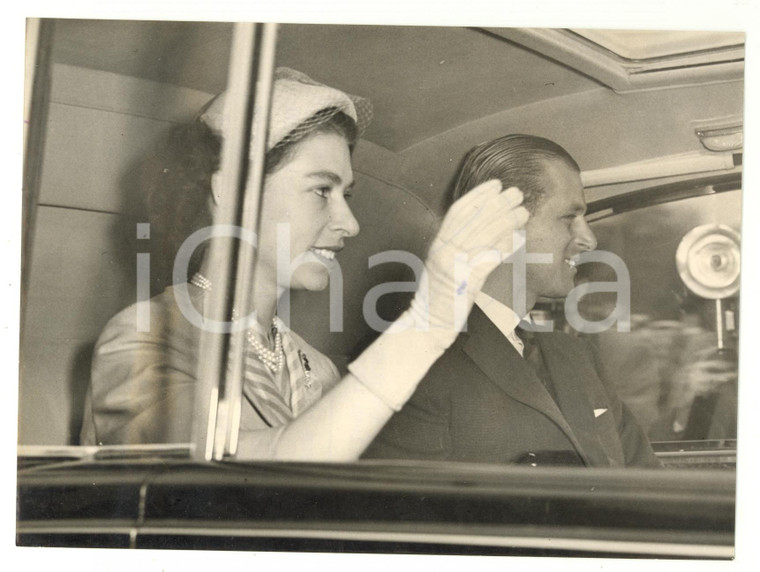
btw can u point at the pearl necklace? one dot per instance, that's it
(201, 282)
(273, 359)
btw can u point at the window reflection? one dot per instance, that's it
(668, 368)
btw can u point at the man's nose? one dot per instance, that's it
(585, 236)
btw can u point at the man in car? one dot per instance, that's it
(505, 394)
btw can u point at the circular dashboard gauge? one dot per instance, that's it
(709, 261)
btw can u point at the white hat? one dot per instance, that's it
(296, 98)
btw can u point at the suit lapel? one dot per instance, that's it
(501, 362)
(570, 375)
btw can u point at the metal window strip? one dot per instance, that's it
(219, 390)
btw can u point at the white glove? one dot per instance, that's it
(476, 235)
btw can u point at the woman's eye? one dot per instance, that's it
(322, 191)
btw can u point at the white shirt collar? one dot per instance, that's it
(502, 316)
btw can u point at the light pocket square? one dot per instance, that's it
(598, 412)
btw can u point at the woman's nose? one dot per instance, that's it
(344, 221)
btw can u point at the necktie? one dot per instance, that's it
(532, 354)
(528, 340)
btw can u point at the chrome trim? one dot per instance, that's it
(82, 452)
(670, 549)
(249, 90)
(233, 394)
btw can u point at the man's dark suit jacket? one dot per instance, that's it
(482, 402)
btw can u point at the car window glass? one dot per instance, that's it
(669, 364)
(102, 206)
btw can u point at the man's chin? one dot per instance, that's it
(556, 295)
(549, 299)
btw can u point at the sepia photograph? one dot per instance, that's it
(380, 288)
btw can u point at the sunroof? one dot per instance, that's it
(649, 44)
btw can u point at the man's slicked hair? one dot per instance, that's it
(517, 161)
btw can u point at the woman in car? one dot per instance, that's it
(295, 406)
